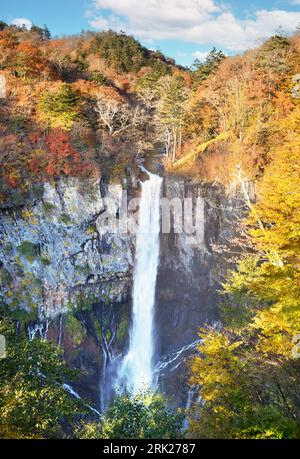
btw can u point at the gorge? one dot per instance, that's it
(93, 269)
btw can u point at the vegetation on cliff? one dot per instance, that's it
(248, 370)
(33, 401)
(144, 415)
(79, 90)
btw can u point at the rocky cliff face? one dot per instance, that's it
(189, 278)
(73, 276)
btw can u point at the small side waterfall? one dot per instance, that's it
(136, 370)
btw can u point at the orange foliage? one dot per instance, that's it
(56, 156)
(8, 39)
(31, 60)
(62, 157)
(88, 89)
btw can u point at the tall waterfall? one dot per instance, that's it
(136, 369)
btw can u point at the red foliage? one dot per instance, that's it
(10, 153)
(55, 156)
(63, 158)
(38, 158)
(12, 180)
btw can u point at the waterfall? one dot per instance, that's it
(136, 370)
(171, 362)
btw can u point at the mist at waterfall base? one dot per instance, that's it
(136, 369)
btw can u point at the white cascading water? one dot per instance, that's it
(136, 371)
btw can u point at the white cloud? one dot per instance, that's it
(22, 22)
(112, 22)
(201, 55)
(197, 21)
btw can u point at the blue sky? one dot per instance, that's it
(183, 29)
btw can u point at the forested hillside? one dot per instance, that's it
(89, 106)
(249, 369)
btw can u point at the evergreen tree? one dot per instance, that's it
(121, 51)
(60, 108)
(145, 415)
(43, 32)
(202, 70)
(3, 25)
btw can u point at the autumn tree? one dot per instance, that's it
(241, 397)
(170, 113)
(30, 61)
(8, 48)
(63, 158)
(118, 117)
(249, 370)
(59, 57)
(274, 58)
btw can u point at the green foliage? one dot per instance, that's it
(121, 51)
(84, 303)
(99, 78)
(148, 81)
(80, 61)
(202, 70)
(171, 111)
(278, 41)
(240, 306)
(267, 423)
(65, 219)
(18, 124)
(125, 54)
(60, 108)
(49, 207)
(172, 107)
(3, 25)
(97, 327)
(75, 328)
(145, 415)
(28, 250)
(45, 261)
(122, 329)
(33, 403)
(160, 67)
(274, 55)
